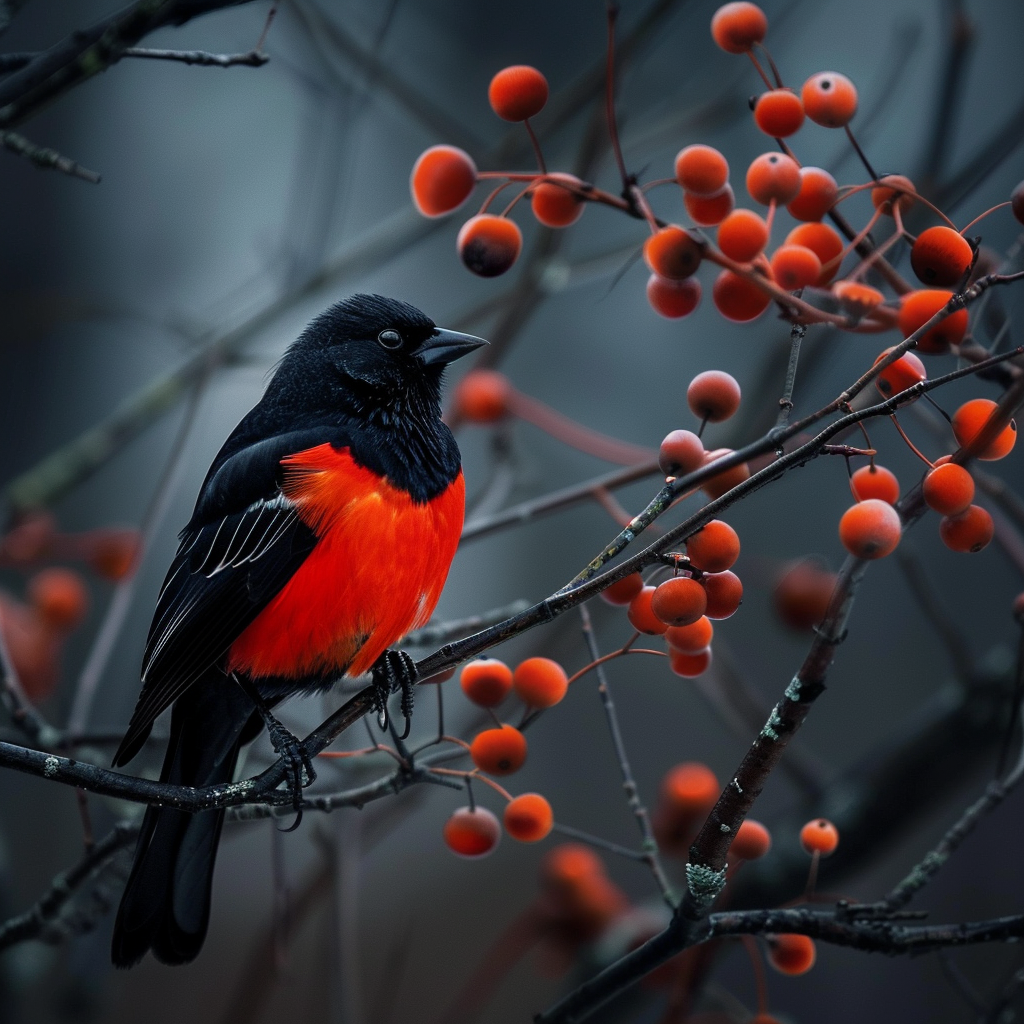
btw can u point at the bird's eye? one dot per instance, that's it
(390, 339)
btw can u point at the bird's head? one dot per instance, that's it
(376, 353)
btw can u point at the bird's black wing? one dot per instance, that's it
(243, 544)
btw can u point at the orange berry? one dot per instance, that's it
(875, 482)
(904, 373)
(870, 529)
(489, 245)
(558, 205)
(690, 787)
(701, 170)
(679, 601)
(540, 682)
(752, 841)
(641, 614)
(569, 864)
(529, 818)
(707, 211)
(1017, 202)
(968, 532)
(823, 241)
(499, 751)
(948, 489)
(717, 485)
(795, 266)
(817, 195)
(482, 396)
(941, 256)
(803, 594)
(742, 235)
(60, 598)
(442, 179)
(969, 421)
(472, 832)
(735, 27)
(893, 188)
(681, 453)
(687, 665)
(773, 176)
(819, 836)
(830, 99)
(917, 308)
(486, 682)
(621, 592)
(692, 638)
(673, 299)
(779, 113)
(713, 395)
(724, 592)
(791, 954)
(857, 299)
(112, 554)
(578, 895)
(737, 298)
(518, 92)
(672, 253)
(714, 548)
(33, 647)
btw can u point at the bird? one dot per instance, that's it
(322, 534)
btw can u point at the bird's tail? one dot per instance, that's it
(166, 903)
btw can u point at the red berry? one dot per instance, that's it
(727, 479)
(817, 195)
(679, 601)
(948, 489)
(489, 245)
(621, 592)
(472, 832)
(823, 241)
(681, 453)
(819, 836)
(779, 113)
(689, 666)
(969, 421)
(672, 253)
(482, 396)
(738, 298)
(830, 99)
(540, 682)
(968, 532)
(486, 682)
(875, 482)
(795, 266)
(529, 818)
(442, 179)
(59, 597)
(701, 170)
(693, 638)
(713, 396)
(714, 548)
(870, 529)
(673, 299)
(113, 553)
(742, 235)
(904, 373)
(518, 92)
(691, 788)
(917, 308)
(558, 205)
(893, 189)
(941, 256)
(641, 614)
(791, 954)
(707, 211)
(752, 841)
(735, 27)
(725, 593)
(857, 299)
(773, 177)
(499, 751)
(803, 594)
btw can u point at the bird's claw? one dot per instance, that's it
(394, 671)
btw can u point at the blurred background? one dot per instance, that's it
(237, 203)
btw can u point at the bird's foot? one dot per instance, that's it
(394, 671)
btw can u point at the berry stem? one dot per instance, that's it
(910, 444)
(760, 981)
(982, 216)
(609, 95)
(536, 146)
(860, 153)
(771, 63)
(760, 70)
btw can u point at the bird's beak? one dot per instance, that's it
(444, 347)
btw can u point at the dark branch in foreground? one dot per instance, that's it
(45, 158)
(201, 58)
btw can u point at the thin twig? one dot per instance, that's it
(47, 159)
